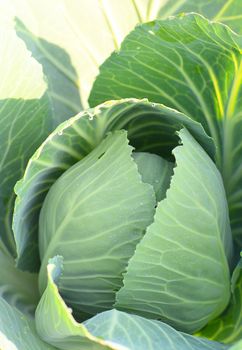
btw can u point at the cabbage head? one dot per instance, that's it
(127, 220)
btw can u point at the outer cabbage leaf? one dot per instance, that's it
(94, 216)
(23, 120)
(54, 29)
(195, 66)
(228, 327)
(108, 330)
(28, 113)
(179, 272)
(228, 12)
(146, 334)
(63, 90)
(54, 321)
(151, 127)
(57, 28)
(17, 331)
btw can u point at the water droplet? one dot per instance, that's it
(151, 32)
(60, 132)
(152, 104)
(91, 114)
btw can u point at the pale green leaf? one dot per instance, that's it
(94, 216)
(138, 333)
(17, 331)
(108, 330)
(151, 128)
(179, 272)
(155, 171)
(54, 321)
(195, 66)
